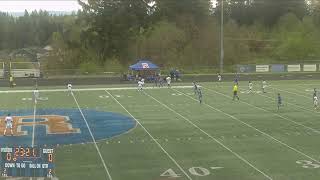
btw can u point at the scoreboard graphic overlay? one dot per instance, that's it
(27, 162)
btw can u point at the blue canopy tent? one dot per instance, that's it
(145, 69)
(144, 65)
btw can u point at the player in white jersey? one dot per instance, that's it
(264, 86)
(250, 86)
(140, 85)
(168, 79)
(69, 86)
(315, 102)
(219, 78)
(9, 124)
(36, 95)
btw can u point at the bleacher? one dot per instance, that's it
(25, 69)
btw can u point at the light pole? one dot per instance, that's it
(221, 39)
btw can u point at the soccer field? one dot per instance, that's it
(164, 133)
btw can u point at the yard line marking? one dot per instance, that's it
(271, 137)
(170, 157)
(275, 114)
(290, 92)
(300, 107)
(34, 120)
(90, 89)
(93, 139)
(299, 94)
(33, 124)
(210, 136)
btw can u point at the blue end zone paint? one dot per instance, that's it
(103, 125)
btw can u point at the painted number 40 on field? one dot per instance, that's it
(196, 171)
(308, 164)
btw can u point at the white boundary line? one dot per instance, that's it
(300, 107)
(34, 120)
(291, 93)
(298, 94)
(172, 159)
(271, 137)
(93, 139)
(209, 135)
(91, 89)
(275, 114)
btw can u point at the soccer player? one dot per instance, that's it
(264, 86)
(200, 95)
(195, 87)
(9, 123)
(160, 81)
(219, 78)
(140, 85)
(168, 79)
(36, 95)
(235, 92)
(314, 93)
(236, 80)
(70, 88)
(11, 81)
(279, 101)
(315, 102)
(250, 86)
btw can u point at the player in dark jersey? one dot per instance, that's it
(200, 95)
(279, 101)
(195, 87)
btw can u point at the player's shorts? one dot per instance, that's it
(315, 103)
(235, 93)
(9, 125)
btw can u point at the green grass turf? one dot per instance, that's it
(249, 138)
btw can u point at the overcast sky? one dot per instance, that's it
(49, 5)
(30, 5)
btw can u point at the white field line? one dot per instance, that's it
(33, 124)
(299, 84)
(300, 107)
(275, 114)
(271, 137)
(210, 136)
(292, 93)
(93, 139)
(159, 145)
(92, 89)
(34, 120)
(298, 94)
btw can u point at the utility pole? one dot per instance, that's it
(221, 39)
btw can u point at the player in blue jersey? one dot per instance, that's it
(195, 87)
(279, 101)
(200, 95)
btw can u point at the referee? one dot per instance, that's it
(235, 92)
